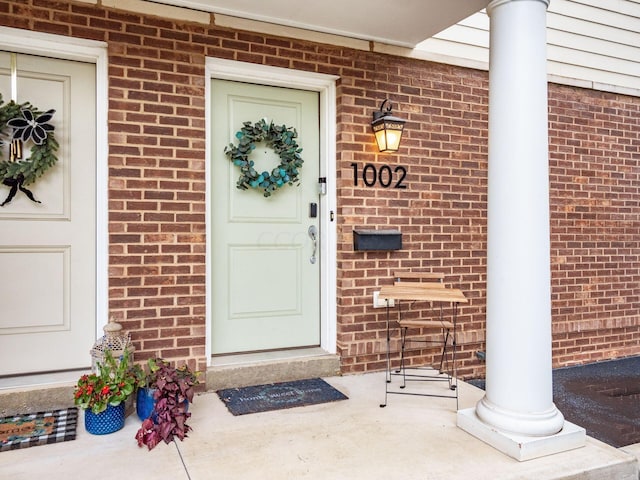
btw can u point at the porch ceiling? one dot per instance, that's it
(403, 22)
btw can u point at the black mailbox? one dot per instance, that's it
(377, 240)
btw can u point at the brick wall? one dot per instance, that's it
(442, 211)
(157, 186)
(595, 224)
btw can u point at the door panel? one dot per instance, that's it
(265, 290)
(47, 249)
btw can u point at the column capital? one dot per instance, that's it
(496, 3)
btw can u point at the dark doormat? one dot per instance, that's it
(277, 396)
(42, 428)
(603, 398)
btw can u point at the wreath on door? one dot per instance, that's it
(278, 137)
(29, 126)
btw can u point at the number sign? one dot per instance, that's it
(385, 175)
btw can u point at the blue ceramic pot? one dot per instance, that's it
(145, 402)
(109, 421)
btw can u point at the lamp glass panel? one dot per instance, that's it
(393, 140)
(381, 140)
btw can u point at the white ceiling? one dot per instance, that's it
(400, 22)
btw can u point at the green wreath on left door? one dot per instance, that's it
(278, 137)
(29, 125)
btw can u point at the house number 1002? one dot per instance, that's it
(384, 175)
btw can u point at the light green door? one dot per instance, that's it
(265, 287)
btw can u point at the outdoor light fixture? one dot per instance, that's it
(387, 128)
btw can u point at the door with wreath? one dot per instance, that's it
(47, 246)
(265, 288)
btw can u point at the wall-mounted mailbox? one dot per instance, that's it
(377, 240)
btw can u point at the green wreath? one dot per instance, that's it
(29, 126)
(278, 137)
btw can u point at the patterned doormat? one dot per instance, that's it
(277, 396)
(42, 428)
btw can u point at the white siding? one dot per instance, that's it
(591, 43)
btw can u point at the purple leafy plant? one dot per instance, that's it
(174, 390)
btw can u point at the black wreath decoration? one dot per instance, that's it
(278, 137)
(29, 126)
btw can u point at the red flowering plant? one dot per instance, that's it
(112, 385)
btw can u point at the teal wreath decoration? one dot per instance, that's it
(278, 137)
(29, 125)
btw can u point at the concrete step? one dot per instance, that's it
(226, 372)
(43, 399)
(256, 369)
(36, 399)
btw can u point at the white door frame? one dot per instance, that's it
(325, 86)
(89, 51)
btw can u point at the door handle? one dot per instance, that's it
(313, 234)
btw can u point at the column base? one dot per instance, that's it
(522, 447)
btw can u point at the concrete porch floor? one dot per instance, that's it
(412, 438)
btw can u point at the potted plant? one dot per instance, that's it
(102, 395)
(163, 402)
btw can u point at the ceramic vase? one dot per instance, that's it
(145, 402)
(109, 421)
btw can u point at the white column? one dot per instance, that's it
(519, 398)
(519, 384)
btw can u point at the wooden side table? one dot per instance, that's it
(423, 293)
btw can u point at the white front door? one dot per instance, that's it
(47, 249)
(265, 287)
